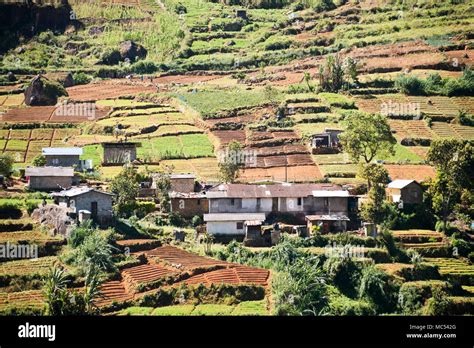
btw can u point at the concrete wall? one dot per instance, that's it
(119, 155)
(286, 205)
(84, 202)
(189, 207)
(49, 183)
(224, 227)
(62, 161)
(241, 205)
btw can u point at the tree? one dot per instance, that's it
(126, 186)
(39, 161)
(331, 74)
(374, 286)
(231, 162)
(61, 301)
(307, 80)
(6, 164)
(454, 163)
(375, 210)
(374, 173)
(366, 136)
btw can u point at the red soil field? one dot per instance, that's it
(113, 291)
(51, 114)
(182, 259)
(237, 275)
(146, 273)
(292, 174)
(108, 90)
(226, 136)
(410, 171)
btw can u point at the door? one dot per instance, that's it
(94, 211)
(325, 227)
(275, 204)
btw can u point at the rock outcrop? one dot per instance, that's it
(55, 217)
(42, 92)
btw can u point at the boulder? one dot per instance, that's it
(41, 92)
(11, 77)
(55, 217)
(132, 51)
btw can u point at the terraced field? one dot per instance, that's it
(454, 269)
(171, 264)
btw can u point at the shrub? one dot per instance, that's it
(177, 220)
(300, 290)
(81, 78)
(410, 85)
(344, 273)
(10, 210)
(462, 247)
(196, 220)
(39, 161)
(6, 164)
(439, 304)
(412, 295)
(376, 288)
(340, 305)
(144, 67)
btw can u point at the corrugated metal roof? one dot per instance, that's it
(399, 184)
(327, 218)
(234, 217)
(62, 151)
(182, 176)
(274, 190)
(49, 171)
(76, 191)
(327, 193)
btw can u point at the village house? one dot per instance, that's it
(86, 202)
(326, 142)
(49, 178)
(404, 191)
(183, 182)
(119, 153)
(189, 204)
(64, 157)
(231, 205)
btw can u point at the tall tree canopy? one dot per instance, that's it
(366, 136)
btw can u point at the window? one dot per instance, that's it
(326, 202)
(198, 202)
(232, 201)
(258, 202)
(240, 225)
(300, 201)
(55, 161)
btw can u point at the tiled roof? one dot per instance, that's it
(268, 191)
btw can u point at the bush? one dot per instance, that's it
(177, 220)
(412, 295)
(344, 273)
(144, 67)
(343, 306)
(462, 247)
(39, 161)
(81, 78)
(196, 221)
(6, 164)
(300, 290)
(10, 210)
(410, 85)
